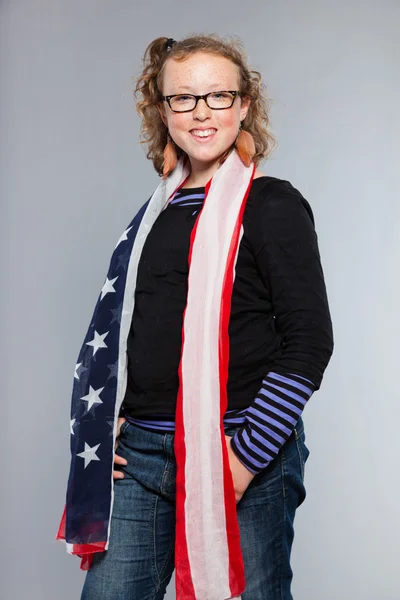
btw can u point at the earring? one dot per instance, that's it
(170, 157)
(245, 146)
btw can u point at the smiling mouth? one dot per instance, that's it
(203, 134)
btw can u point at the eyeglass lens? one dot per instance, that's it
(214, 100)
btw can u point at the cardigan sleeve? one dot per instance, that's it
(285, 247)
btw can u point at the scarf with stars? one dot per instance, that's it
(208, 558)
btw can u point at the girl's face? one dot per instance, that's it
(199, 74)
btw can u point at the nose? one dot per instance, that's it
(202, 111)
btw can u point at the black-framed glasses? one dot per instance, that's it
(215, 100)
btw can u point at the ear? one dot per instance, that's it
(246, 101)
(161, 110)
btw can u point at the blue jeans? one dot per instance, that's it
(139, 562)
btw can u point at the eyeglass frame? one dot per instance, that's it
(235, 93)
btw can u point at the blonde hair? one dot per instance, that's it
(154, 132)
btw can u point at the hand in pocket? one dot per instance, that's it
(118, 460)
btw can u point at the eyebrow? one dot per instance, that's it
(214, 87)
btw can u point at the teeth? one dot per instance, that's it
(203, 133)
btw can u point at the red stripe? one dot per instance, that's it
(84, 551)
(183, 577)
(236, 566)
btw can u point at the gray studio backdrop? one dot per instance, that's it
(72, 176)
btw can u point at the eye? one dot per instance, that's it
(219, 95)
(182, 98)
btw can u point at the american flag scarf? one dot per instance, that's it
(208, 558)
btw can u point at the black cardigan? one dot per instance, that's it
(280, 319)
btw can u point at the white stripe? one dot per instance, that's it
(157, 202)
(205, 499)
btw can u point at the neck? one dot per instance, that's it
(200, 173)
(199, 177)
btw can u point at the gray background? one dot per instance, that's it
(72, 176)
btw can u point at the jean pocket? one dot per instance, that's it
(302, 449)
(123, 427)
(299, 429)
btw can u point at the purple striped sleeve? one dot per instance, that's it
(271, 419)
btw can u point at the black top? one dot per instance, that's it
(280, 319)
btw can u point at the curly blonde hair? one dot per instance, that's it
(153, 132)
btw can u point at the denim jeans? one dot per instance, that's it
(139, 562)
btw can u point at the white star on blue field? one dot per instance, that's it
(89, 454)
(98, 341)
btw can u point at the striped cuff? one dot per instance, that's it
(271, 419)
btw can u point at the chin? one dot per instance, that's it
(206, 156)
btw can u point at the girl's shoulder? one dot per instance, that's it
(275, 196)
